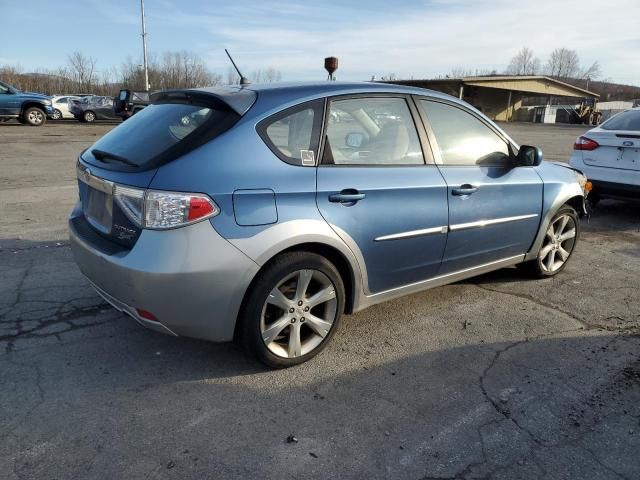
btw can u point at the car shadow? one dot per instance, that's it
(614, 215)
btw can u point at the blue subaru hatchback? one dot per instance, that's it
(263, 213)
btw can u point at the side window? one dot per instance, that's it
(293, 135)
(62, 100)
(371, 131)
(3, 89)
(462, 138)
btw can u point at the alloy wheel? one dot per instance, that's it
(298, 313)
(57, 114)
(558, 243)
(36, 117)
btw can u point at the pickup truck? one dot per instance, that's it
(28, 108)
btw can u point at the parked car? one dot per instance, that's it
(26, 107)
(60, 105)
(225, 213)
(90, 109)
(610, 156)
(130, 102)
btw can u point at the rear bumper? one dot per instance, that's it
(608, 180)
(190, 278)
(616, 189)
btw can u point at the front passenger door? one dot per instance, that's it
(494, 206)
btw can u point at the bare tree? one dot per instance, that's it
(460, 72)
(82, 69)
(594, 71)
(563, 64)
(524, 63)
(269, 75)
(232, 76)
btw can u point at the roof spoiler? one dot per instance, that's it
(238, 100)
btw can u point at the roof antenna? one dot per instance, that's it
(243, 80)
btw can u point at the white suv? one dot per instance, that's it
(609, 155)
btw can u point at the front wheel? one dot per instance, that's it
(34, 116)
(89, 117)
(57, 115)
(559, 242)
(292, 310)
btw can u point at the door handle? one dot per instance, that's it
(466, 189)
(347, 196)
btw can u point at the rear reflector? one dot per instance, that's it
(146, 315)
(199, 207)
(584, 143)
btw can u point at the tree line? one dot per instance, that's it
(80, 74)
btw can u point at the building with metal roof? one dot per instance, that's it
(499, 97)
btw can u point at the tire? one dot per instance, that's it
(278, 328)
(89, 116)
(555, 252)
(57, 115)
(34, 117)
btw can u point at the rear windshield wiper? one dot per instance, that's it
(102, 155)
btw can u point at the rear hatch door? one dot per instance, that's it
(114, 172)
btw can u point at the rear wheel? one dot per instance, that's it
(559, 242)
(293, 309)
(34, 116)
(89, 116)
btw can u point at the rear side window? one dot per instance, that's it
(464, 139)
(160, 133)
(294, 134)
(629, 120)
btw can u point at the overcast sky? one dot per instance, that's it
(415, 38)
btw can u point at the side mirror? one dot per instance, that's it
(529, 156)
(354, 139)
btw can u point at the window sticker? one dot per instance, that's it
(307, 157)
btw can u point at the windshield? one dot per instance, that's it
(159, 128)
(629, 120)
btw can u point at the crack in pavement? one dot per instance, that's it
(541, 303)
(33, 247)
(473, 469)
(57, 318)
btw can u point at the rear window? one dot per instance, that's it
(160, 133)
(629, 120)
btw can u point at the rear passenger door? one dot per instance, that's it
(379, 192)
(494, 206)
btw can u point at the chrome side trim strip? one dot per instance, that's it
(369, 300)
(494, 221)
(412, 233)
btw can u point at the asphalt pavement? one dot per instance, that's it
(496, 377)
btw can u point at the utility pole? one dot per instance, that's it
(144, 48)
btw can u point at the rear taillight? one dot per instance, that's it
(131, 201)
(584, 143)
(158, 210)
(164, 210)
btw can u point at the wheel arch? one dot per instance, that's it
(570, 195)
(32, 103)
(331, 253)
